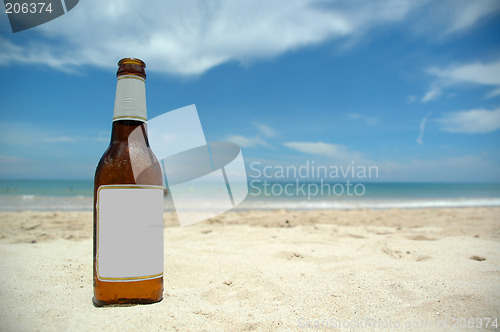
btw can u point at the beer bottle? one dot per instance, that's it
(128, 202)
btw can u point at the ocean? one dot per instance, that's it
(76, 195)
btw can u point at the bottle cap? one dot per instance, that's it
(131, 66)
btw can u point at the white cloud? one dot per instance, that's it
(367, 119)
(333, 151)
(487, 74)
(476, 121)
(33, 151)
(433, 94)
(73, 139)
(446, 19)
(266, 130)
(411, 99)
(9, 160)
(466, 13)
(246, 142)
(24, 134)
(256, 140)
(420, 138)
(478, 73)
(189, 37)
(493, 93)
(180, 37)
(61, 139)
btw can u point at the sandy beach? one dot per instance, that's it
(262, 270)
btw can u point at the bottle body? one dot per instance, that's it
(128, 213)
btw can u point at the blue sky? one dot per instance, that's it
(412, 87)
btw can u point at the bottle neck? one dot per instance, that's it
(130, 100)
(129, 131)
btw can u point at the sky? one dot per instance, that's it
(411, 87)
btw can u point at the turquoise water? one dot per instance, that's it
(47, 187)
(77, 195)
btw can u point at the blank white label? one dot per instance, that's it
(130, 232)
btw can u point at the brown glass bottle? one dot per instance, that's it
(128, 189)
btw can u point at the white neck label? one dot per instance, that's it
(130, 100)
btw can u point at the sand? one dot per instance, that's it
(266, 270)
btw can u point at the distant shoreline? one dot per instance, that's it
(77, 195)
(84, 203)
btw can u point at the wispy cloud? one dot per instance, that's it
(420, 138)
(479, 73)
(367, 119)
(476, 121)
(179, 37)
(247, 142)
(486, 74)
(264, 132)
(433, 94)
(30, 150)
(192, 36)
(9, 160)
(493, 93)
(72, 139)
(445, 19)
(465, 13)
(24, 134)
(411, 99)
(335, 152)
